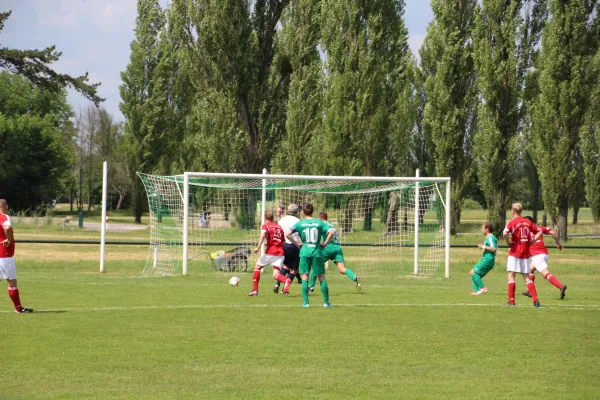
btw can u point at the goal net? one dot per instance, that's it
(386, 226)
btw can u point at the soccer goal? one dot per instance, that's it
(387, 225)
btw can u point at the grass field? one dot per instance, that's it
(118, 336)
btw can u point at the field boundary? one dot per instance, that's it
(593, 307)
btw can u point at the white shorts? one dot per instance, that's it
(8, 269)
(539, 262)
(520, 265)
(266, 259)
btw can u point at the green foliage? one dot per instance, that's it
(505, 37)
(300, 149)
(32, 64)
(561, 105)
(450, 115)
(33, 158)
(140, 107)
(367, 56)
(590, 143)
(230, 51)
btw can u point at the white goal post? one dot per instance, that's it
(388, 224)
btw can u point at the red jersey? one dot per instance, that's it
(521, 230)
(9, 251)
(539, 247)
(275, 239)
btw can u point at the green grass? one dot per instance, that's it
(115, 336)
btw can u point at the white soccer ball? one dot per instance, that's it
(234, 281)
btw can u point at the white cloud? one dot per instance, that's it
(415, 42)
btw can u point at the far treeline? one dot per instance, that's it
(504, 97)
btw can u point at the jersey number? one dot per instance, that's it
(524, 230)
(311, 235)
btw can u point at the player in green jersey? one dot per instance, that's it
(311, 230)
(333, 252)
(486, 264)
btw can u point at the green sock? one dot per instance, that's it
(305, 291)
(478, 281)
(351, 275)
(312, 280)
(325, 291)
(474, 284)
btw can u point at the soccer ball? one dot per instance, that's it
(234, 281)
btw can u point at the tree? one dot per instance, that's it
(367, 57)
(230, 51)
(505, 38)
(142, 134)
(32, 65)
(33, 156)
(590, 142)
(298, 151)
(560, 108)
(450, 116)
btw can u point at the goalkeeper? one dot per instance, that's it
(333, 252)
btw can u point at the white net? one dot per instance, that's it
(377, 222)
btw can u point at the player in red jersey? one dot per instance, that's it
(8, 269)
(539, 260)
(517, 235)
(273, 234)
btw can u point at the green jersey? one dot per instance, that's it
(490, 241)
(334, 241)
(310, 230)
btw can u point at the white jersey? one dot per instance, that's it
(287, 224)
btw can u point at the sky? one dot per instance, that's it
(95, 36)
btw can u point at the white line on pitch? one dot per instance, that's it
(593, 307)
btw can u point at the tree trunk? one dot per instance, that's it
(138, 200)
(535, 215)
(71, 198)
(563, 214)
(121, 197)
(497, 213)
(391, 225)
(575, 214)
(453, 222)
(545, 220)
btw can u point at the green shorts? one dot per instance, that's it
(334, 254)
(315, 264)
(483, 267)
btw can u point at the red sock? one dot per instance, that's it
(286, 288)
(532, 276)
(554, 281)
(532, 291)
(255, 279)
(511, 292)
(280, 278)
(13, 293)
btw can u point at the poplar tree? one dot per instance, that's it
(299, 150)
(505, 37)
(142, 132)
(560, 108)
(590, 142)
(367, 56)
(230, 48)
(450, 115)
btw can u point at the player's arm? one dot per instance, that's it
(9, 234)
(330, 234)
(291, 238)
(556, 239)
(486, 247)
(263, 234)
(507, 236)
